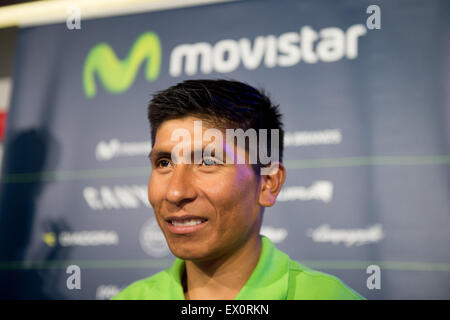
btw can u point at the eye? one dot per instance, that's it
(210, 162)
(162, 163)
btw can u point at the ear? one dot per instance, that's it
(272, 180)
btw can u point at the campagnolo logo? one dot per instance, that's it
(152, 239)
(348, 237)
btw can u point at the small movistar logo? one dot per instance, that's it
(117, 75)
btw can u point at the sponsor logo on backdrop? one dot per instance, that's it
(117, 75)
(311, 138)
(286, 50)
(49, 238)
(347, 237)
(136, 197)
(319, 190)
(82, 238)
(105, 292)
(114, 148)
(152, 239)
(107, 150)
(277, 235)
(116, 197)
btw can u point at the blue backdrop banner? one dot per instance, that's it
(365, 94)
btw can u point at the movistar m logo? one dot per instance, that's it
(118, 75)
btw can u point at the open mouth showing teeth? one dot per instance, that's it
(187, 222)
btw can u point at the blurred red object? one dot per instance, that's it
(3, 117)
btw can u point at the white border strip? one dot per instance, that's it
(56, 11)
(5, 93)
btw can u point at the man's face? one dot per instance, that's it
(204, 210)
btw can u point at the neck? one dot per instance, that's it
(222, 278)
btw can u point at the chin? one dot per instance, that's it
(186, 251)
(188, 255)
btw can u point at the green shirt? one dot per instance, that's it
(276, 277)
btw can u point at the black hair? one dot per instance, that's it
(223, 103)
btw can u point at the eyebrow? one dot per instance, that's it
(157, 154)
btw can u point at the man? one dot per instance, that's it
(211, 210)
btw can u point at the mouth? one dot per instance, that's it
(185, 224)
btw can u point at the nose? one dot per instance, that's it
(180, 189)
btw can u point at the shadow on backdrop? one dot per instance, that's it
(28, 155)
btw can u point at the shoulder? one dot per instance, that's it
(306, 283)
(150, 288)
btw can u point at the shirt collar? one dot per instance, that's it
(269, 280)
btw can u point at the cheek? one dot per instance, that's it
(235, 197)
(153, 192)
